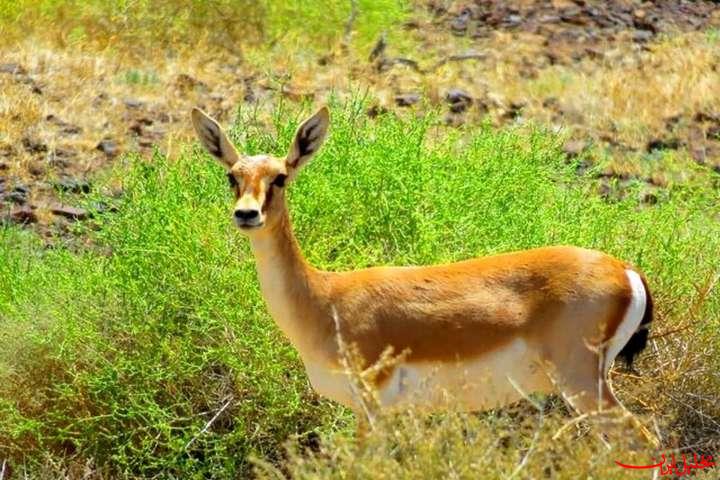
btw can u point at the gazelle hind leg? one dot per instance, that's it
(631, 322)
(634, 421)
(588, 393)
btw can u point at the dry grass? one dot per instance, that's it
(89, 97)
(87, 78)
(535, 438)
(624, 100)
(131, 71)
(513, 443)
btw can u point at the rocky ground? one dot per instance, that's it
(632, 84)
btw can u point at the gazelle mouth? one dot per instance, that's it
(248, 226)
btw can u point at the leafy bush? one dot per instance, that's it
(120, 355)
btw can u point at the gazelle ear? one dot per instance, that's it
(308, 139)
(214, 138)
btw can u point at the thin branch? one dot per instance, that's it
(702, 294)
(699, 413)
(346, 363)
(408, 62)
(573, 421)
(207, 425)
(673, 331)
(533, 444)
(350, 23)
(524, 394)
(459, 58)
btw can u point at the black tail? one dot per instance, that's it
(638, 341)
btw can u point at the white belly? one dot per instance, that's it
(497, 378)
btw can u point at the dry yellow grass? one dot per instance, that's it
(535, 438)
(54, 114)
(625, 100)
(627, 97)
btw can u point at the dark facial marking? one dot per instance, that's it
(268, 199)
(232, 180)
(279, 180)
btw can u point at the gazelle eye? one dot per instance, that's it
(280, 180)
(232, 180)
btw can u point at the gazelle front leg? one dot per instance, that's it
(362, 427)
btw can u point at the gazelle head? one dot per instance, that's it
(258, 181)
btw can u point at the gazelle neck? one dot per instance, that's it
(289, 285)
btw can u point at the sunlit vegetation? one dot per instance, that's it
(117, 356)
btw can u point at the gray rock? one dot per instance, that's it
(512, 21)
(20, 215)
(642, 36)
(16, 197)
(19, 194)
(133, 103)
(108, 147)
(573, 148)
(71, 213)
(12, 68)
(459, 24)
(458, 99)
(72, 185)
(407, 99)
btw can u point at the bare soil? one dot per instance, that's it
(67, 114)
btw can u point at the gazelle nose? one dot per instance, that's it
(246, 214)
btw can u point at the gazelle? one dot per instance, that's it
(540, 320)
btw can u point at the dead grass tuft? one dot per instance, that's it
(535, 438)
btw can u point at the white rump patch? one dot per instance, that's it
(631, 322)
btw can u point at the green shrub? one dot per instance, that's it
(122, 353)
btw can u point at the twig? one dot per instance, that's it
(384, 64)
(458, 58)
(533, 444)
(695, 410)
(346, 364)
(207, 425)
(703, 294)
(2, 471)
(523, 394)
(681, 328)
(350, 22)
(408, 62)
(570, 423)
